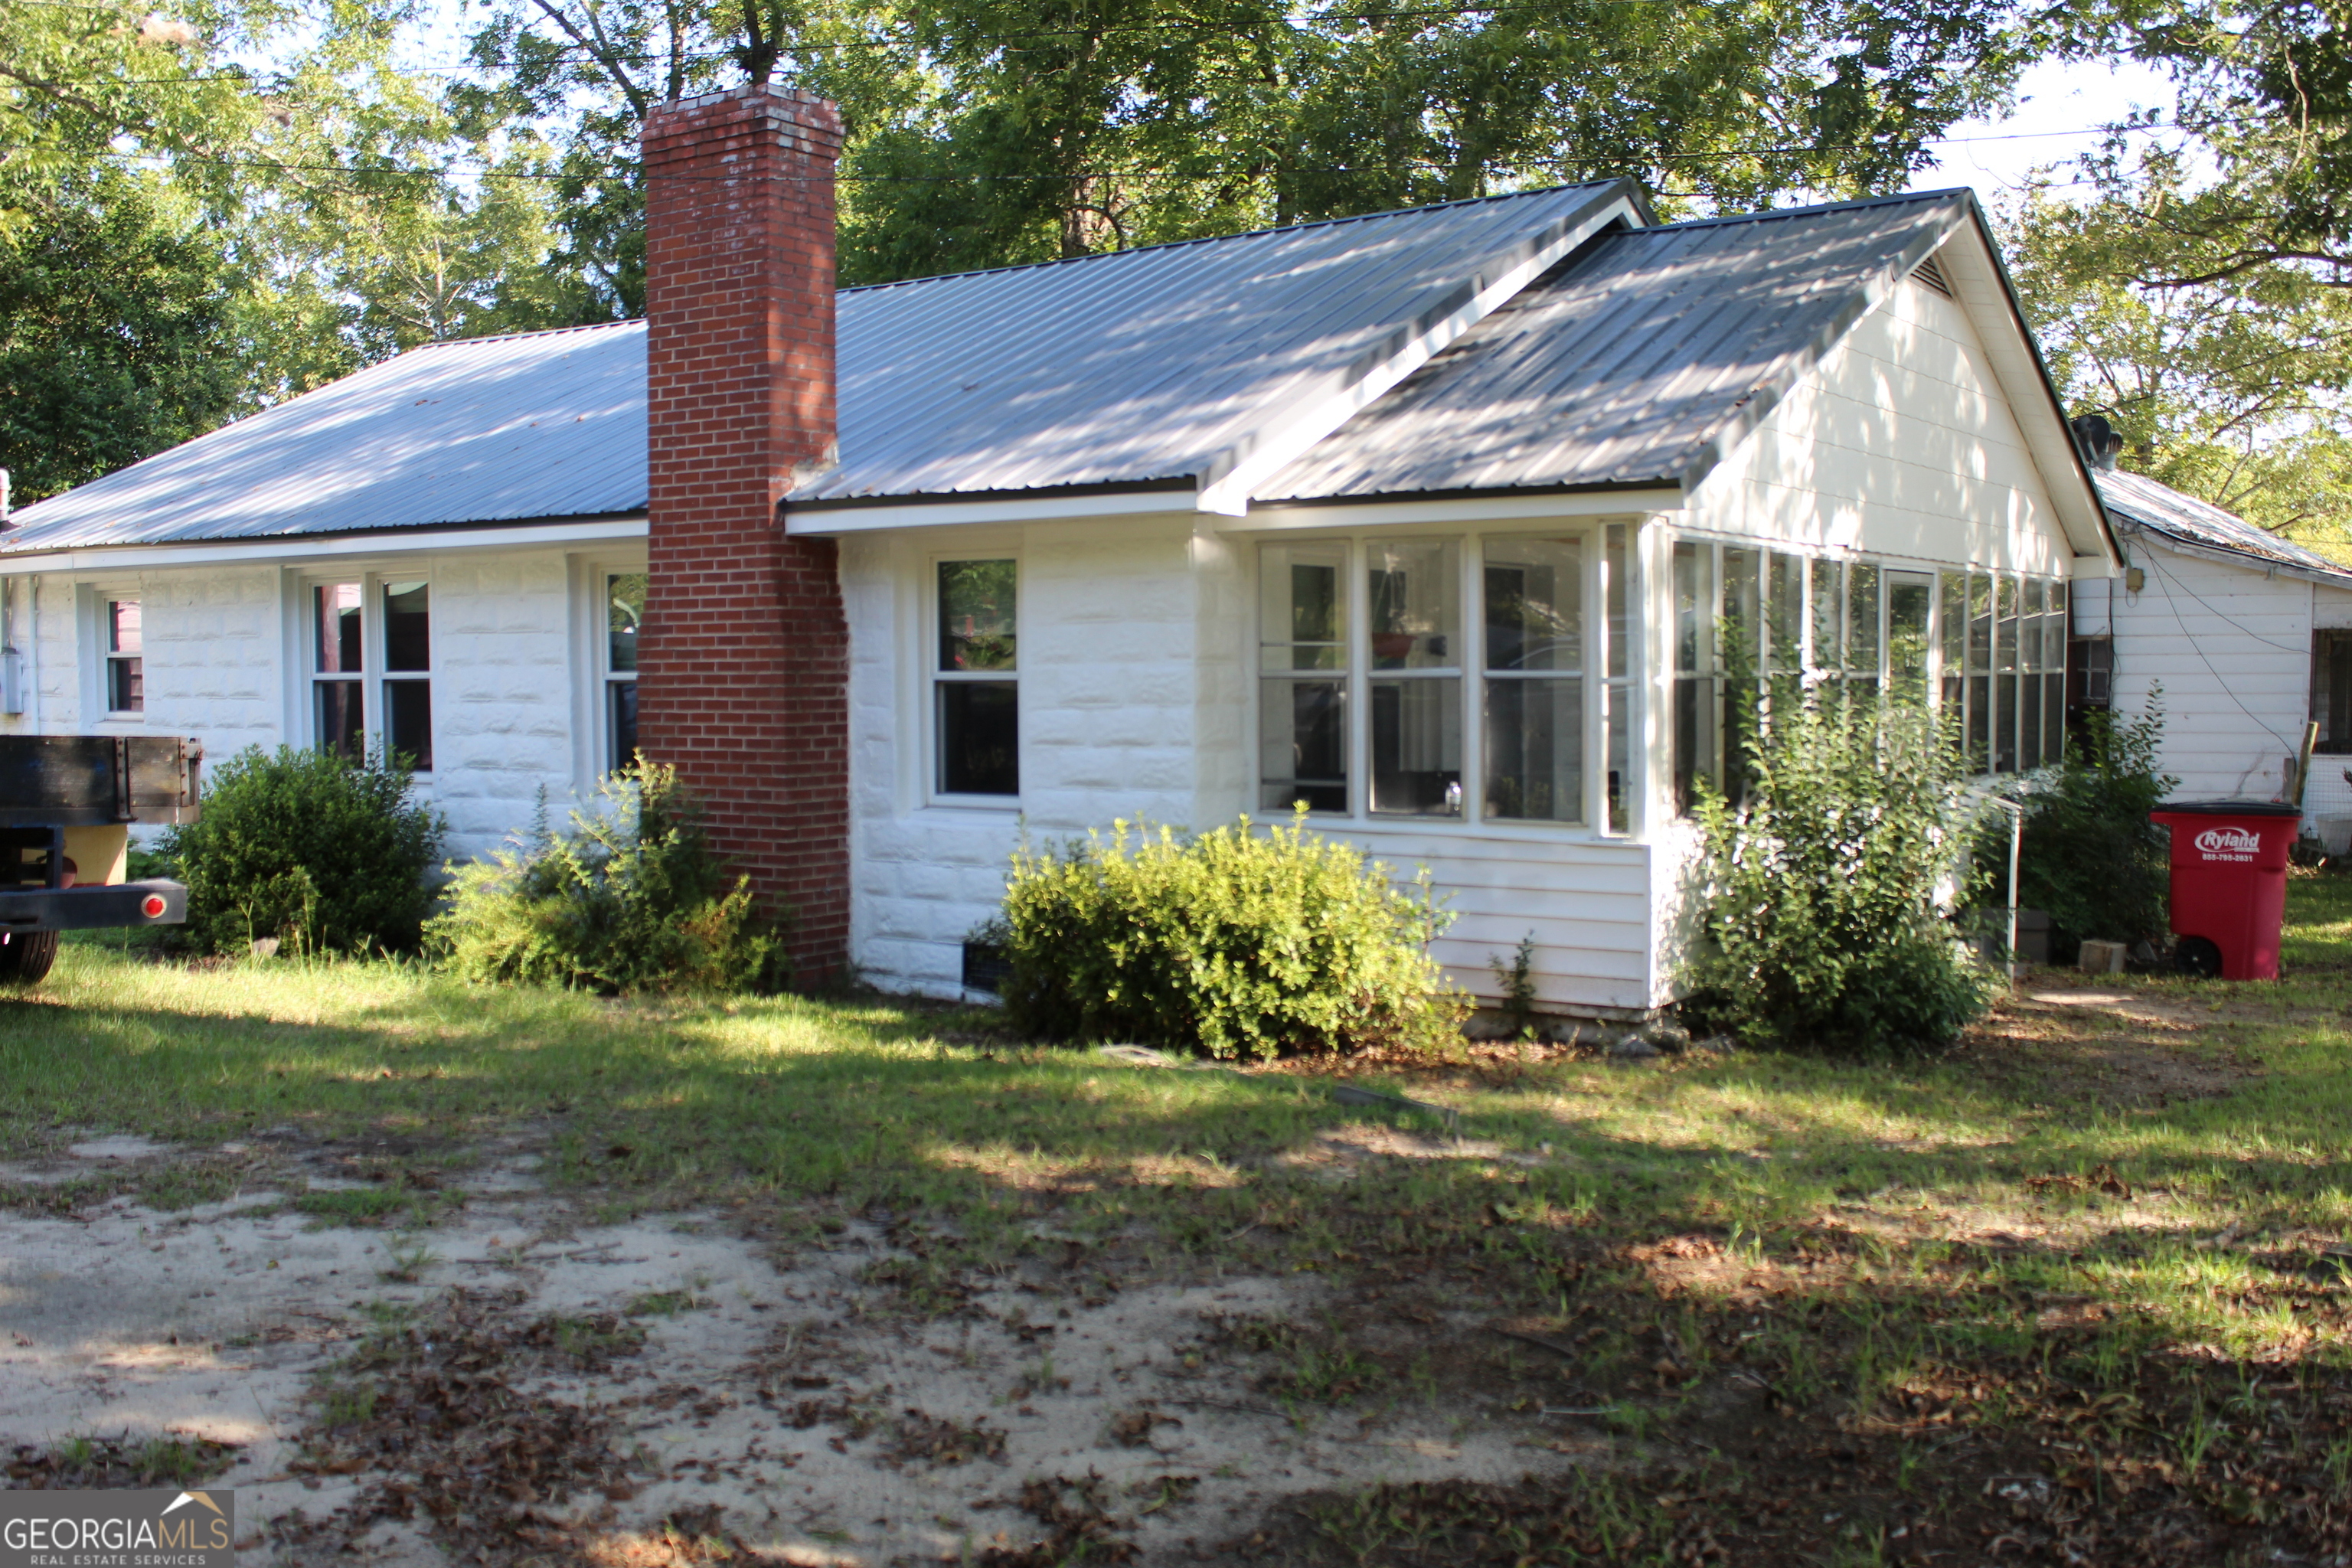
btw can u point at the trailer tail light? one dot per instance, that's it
(152, 906)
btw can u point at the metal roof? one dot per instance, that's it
(2184, 518)
(1159, 363)
(1628, 362)
(543, 425)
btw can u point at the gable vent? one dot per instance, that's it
(1932, 275)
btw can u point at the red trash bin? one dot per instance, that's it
(2228, 883)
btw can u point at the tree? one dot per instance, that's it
(987, 131)
(2200, 297)
(116, 338)
(2236, 388)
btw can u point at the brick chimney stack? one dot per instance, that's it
(743, 661)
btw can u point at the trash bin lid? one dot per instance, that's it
(2232, 808)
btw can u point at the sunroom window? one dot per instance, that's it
(1988, 649)
(1491, 669)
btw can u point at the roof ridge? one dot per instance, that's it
(1769, 214)
(1244, 234)
(510, 337)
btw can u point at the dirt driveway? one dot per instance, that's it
(664, 1390)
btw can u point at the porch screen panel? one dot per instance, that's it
(1741, 662)
(1909, 597)
(1862, 639)
(1827, 654)
(2033, 663)
(1784, 615)
(1533, 595)
(1695, 710)
(2054, 628)
(1617, 688)
(1303, 687)
(1979, 673)
(1952, 607)
(2004, 676)
(1413, 607)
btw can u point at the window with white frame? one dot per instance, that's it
(126, 664)
(624, 614)
(1988, 649)
(975, 680)
(1384, 626)
(371, 670)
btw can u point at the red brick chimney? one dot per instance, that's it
(743, 661)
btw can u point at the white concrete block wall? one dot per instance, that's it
(507, 653)
(502, 682)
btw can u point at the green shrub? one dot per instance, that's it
(1819, 926)
(632, 899)
(1235, 943)
(304, 847)
(2088, 856)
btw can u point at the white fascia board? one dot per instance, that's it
(1408, 512)
(2223, 556)
(828, 522)
(1982, 286)
(297, 548)
(1226, 483)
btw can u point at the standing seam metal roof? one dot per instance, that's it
(2158, 506)
(541, 425)
(1623, 366)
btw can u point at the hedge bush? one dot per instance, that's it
(1820, 920)
(632, 899)
(2088, 856)
(307, 848)
(1236, 943)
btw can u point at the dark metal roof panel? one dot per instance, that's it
(1626, 364)
(2158, 506)
(1143, 364)
(544, 425)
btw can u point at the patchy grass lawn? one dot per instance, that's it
(2078, 1292)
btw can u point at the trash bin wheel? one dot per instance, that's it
(2198, 956)
(25, 955)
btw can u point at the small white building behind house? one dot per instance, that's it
(2247, 634)
(1425, 521)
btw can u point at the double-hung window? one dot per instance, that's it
(126, 664)
(1413, 593)
(372, 673)
(624, 614)
(1489, 671)
(1303, 676)
(975, 680)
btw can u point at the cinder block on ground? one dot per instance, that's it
(2102, 958)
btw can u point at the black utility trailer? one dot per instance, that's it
(67, 803)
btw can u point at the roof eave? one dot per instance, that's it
(2205, 550)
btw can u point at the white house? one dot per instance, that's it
(1426, 519)
(2248, 634)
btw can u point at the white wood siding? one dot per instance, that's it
(2230, 646)
(1901, 444)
